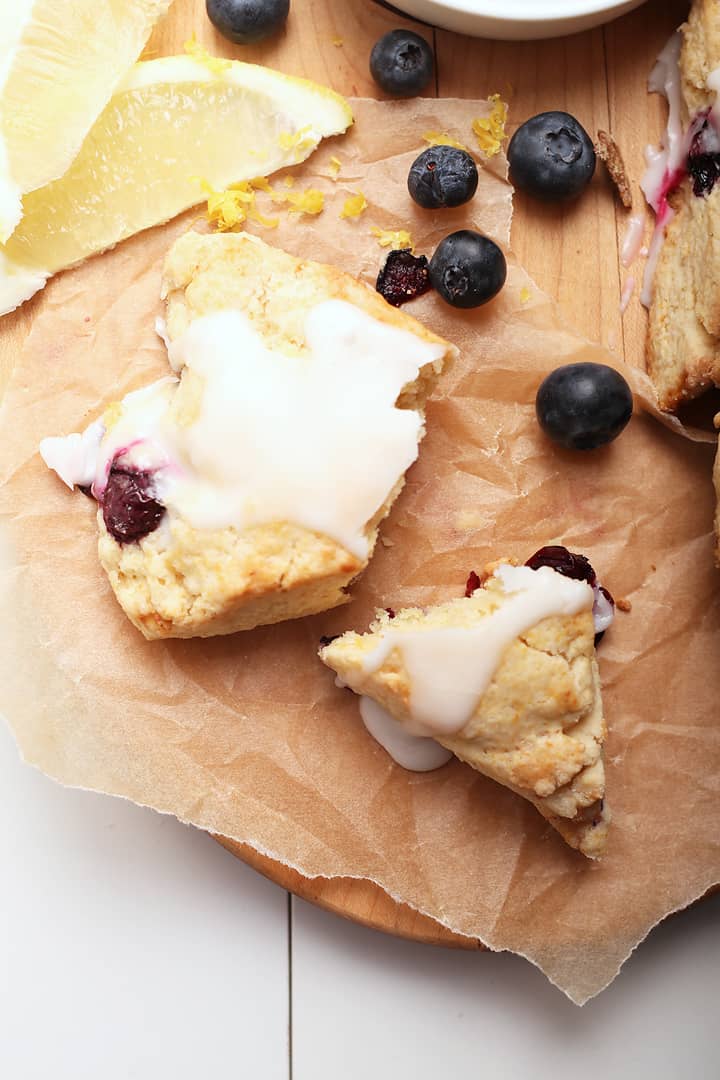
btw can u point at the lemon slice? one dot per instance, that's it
(60, 61)
(171, 122)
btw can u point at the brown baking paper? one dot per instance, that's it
(249, 737)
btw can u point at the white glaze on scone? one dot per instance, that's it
(298, 409)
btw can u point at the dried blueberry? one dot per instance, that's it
(583, 406)
(467, 269)
(130, 510)
(403, 277)
(568, 563)
(401, 63)
(551, 157)
(472, 584)
(247, 21)
(442, 176)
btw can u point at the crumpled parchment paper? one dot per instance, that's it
(249, 737)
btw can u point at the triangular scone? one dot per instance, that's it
(683, 350)
(254, 486)
(537, 727)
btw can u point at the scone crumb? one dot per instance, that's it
(608, 151)
(338, 42)
(387, 542)
(623, 604)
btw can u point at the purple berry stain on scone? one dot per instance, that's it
(130, 509)
(703, 162)
(403, 277)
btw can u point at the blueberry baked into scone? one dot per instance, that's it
(248, 487)
(505, 678)
(681, 186)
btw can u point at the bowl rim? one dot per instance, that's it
(552, 9)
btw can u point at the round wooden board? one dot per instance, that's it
(600, 75)
(354, 899)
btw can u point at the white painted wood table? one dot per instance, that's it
(134, 947)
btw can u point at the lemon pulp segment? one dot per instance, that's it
(60, 61)
(171, 125)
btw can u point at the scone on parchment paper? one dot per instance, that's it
(683, 350)
(512, 689)
(251, 490)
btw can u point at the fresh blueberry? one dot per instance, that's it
(442, 176)
(130, 511)
(247, 21)
(551, 157)
(401, 63)
(403, 277)
(467, 269)
(582, 406)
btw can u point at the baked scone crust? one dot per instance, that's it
(539, 727)
(183, 582)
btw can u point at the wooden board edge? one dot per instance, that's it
(355, 899)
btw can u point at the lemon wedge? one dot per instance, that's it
(173, 127)
(59, 64)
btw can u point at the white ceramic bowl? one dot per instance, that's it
(516, 19)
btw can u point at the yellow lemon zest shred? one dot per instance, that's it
(338, 42)
(289, 181)
(261, 183)
(354, 205)
(334, 167)
(310, 201)
(525, 295)
(490, 130)
(441, 138)
(214, 64)
(255, 215)
(397, 239)
(233, 207)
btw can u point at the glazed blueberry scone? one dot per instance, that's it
(248, 487)
(683, 278)
(506, 679)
